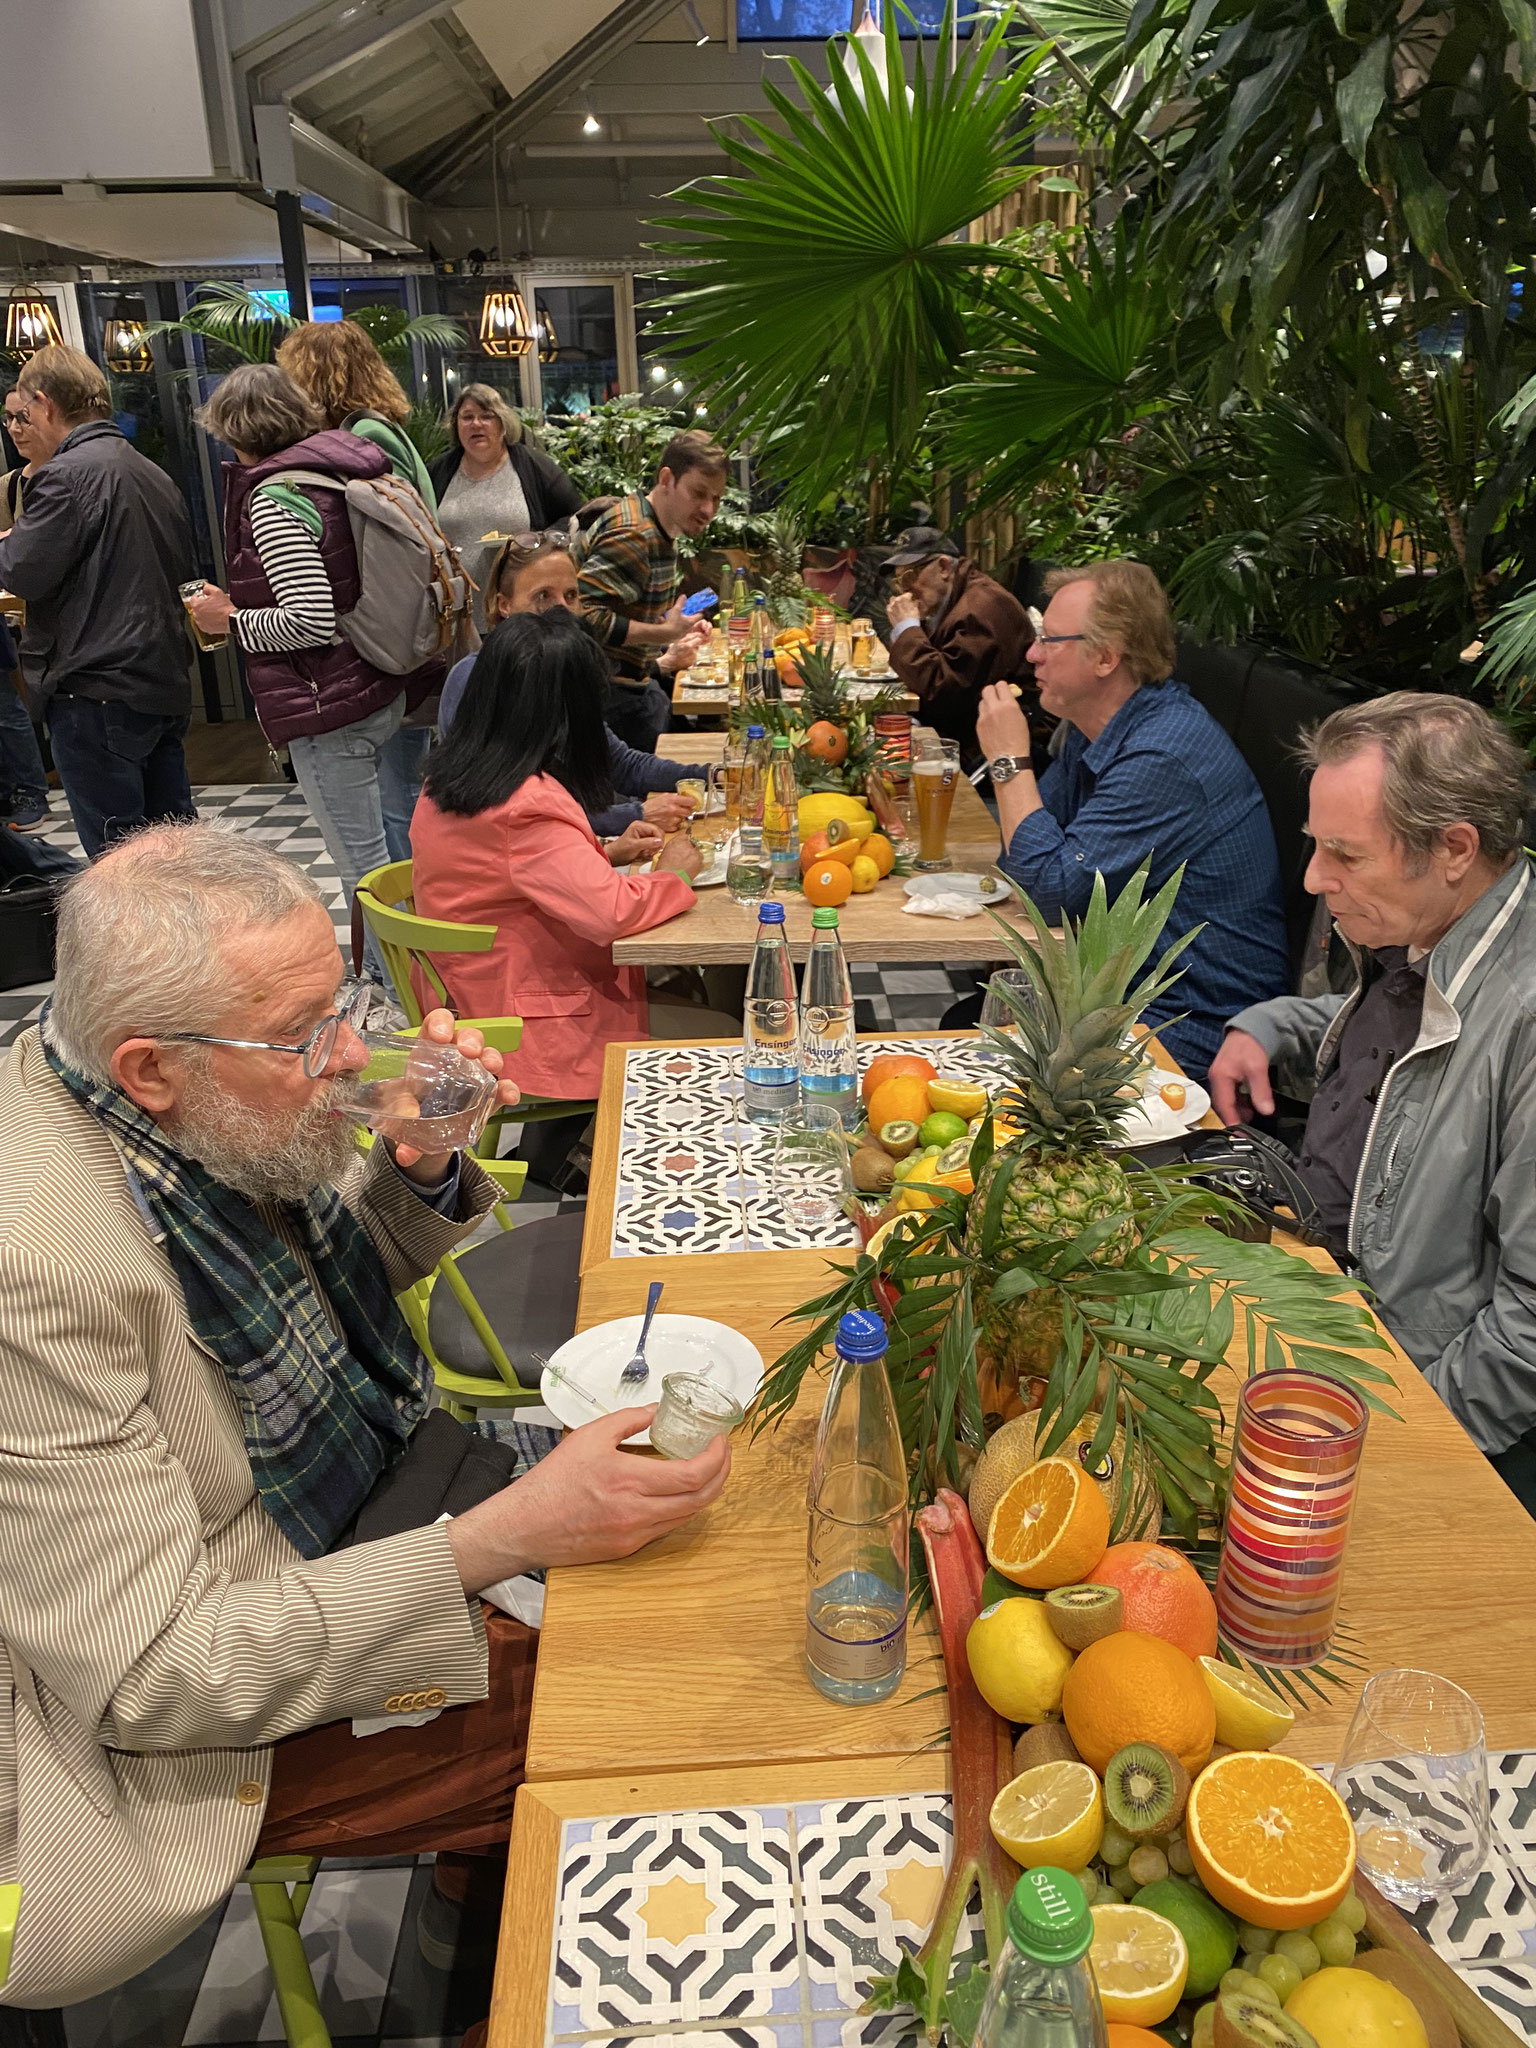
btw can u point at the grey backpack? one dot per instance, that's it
(417, 598)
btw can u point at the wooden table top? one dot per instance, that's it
(717, 932)
(689, 1656)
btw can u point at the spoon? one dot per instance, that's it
(637, 1369)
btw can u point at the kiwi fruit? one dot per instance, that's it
(1081, 1614)
(899, 1137)
(1047, 1743)
(1243, 2021)
(873, 1169)
(1145, 1788)
(1416, 1988)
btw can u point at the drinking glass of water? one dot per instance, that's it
(1414, 1775)
(416, 1092)
(810, 1179)
(1009, 991)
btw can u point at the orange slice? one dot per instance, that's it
(1271, 1840)
(1050, 1528)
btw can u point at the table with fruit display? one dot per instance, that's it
(709, 1850)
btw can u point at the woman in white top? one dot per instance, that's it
(491, 481)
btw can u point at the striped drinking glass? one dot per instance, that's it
(1294, 1467)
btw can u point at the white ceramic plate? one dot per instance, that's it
(596, 1357)
(960, 882)
(713, 877)
(1152, 1122)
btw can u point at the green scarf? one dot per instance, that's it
(324, 1416)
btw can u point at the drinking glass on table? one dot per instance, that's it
(1009, 991)
(810, 1175)
(935, 771)
(1414, 1775)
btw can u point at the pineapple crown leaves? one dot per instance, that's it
(1093, 964)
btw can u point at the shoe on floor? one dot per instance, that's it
(459, 1920)
(26, 813)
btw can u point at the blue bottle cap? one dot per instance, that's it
(756, 732)
(861, 1334)
(770, 913)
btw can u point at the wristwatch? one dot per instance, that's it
(1006, 766)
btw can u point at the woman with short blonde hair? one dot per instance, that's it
(336, 364)
(494, 482)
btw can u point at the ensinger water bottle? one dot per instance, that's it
(829, 1056)
(1042, 1993)
(770, 1025)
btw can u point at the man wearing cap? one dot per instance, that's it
(954, 631)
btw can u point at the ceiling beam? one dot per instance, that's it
(326, 39)
(596, 149)
(624, 25)
(450, 53)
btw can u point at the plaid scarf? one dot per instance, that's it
(323, 1415)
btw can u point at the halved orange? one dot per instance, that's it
(1271, 1840)
(1050, 1528)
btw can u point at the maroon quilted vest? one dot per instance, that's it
(317, 689)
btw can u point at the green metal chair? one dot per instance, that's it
(280, 1887)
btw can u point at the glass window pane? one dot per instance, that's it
(584, 367)
(784, 21)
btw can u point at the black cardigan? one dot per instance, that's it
(549, 491)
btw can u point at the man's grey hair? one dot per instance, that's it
(259, 410)
(141, 935)
(1447, 762)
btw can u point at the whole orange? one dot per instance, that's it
(827, 742)
(881, 852)
(888, 1063)
(904, 1099)
(1132, 1688)
(1163, 1593)
(830, 882)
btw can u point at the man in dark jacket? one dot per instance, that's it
(954, 631)
(102, 543)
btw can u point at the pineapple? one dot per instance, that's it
(1069, 1085)
(823, 697)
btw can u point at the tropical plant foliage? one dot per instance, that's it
(240, 326)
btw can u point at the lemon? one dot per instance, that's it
(1140, 1963)
(883, 1235)
(1352, 2009)
(865, 875)
(1017, 1662)
(1052, 1814)
(961, 1098)
(1248, 1714)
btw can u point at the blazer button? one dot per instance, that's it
(393, 1704)
(435, 1698)
(249, 1794)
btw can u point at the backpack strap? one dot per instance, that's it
(290, 499)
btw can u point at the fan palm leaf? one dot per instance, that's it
(827, 297)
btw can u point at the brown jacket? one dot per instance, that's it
(980, 637)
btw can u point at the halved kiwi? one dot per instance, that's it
(1145, 1787)
(1247, 2022)
(899, 1137)
(1079, 1615)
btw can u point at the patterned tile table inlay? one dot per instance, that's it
(695, 1175)
(761, 1926)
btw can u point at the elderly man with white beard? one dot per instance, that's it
(203, 1373)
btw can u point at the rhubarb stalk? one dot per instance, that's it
(981, 1763)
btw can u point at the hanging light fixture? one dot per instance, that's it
(122, 337)
(505, 329)
(30, 324)
(549, 341)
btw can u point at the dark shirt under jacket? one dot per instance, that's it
(1383, 1026)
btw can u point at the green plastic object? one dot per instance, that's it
(280, 1888)
(10, 1908)
(824, 919)
(1048, 1917)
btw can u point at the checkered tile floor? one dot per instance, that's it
(376, 1989)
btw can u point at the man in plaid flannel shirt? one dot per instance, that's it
(629, 577)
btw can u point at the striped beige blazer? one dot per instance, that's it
(157, 1632)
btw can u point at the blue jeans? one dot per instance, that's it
(639, 716)
(402, 763)
(21, 762)
(121, 769)
(341, 774)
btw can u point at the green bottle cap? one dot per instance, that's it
(781, 739)
(824, 918)
(1048, 1917)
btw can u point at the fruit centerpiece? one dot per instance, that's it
(832, 730)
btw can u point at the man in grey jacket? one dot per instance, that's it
(101, 545)
(1420, 1144)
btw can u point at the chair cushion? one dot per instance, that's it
(526, 1282)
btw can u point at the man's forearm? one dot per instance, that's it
(1017, 800)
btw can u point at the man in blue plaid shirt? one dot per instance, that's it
(1144, 771)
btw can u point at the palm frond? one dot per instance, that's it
(248, 326)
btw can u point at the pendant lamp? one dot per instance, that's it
(505, 329)
(122, 337)
(30, 324)
(549, 341)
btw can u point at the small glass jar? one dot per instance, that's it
(692, 1412)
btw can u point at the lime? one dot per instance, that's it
(941, 1128)
(1209, 1934)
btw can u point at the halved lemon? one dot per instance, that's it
(1248, 1714)
(1051, 1814)
(1050, 1528)
(1271, 1840)
(961, 1098)
(1140, 1963)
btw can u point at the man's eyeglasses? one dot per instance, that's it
(1037, 620)
(315, 1051)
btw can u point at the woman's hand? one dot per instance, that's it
(443, 1028)
(636, 842)
(681, 856)
(211, 611)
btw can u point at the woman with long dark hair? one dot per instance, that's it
(501, 837)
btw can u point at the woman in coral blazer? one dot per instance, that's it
(500, 836)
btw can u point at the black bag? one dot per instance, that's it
(30, 872)
(445, 1470)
